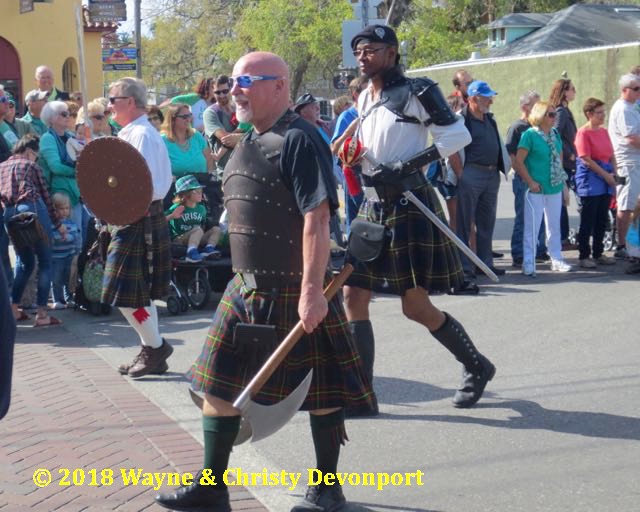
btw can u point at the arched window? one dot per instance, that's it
(70, 75)
(10, 76)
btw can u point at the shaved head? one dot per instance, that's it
(267, 97)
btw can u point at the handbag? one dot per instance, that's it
(367, 240)
(25, 230)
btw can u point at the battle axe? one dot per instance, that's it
(260, 421)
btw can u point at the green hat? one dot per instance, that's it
(188, 182)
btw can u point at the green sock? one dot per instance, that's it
(328, 434)
(219, 434)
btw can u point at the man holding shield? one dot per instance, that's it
(396, 116)
(138, 266)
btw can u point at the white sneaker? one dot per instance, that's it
(560, 266)
(58, 305)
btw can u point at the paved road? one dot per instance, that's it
(558, 429)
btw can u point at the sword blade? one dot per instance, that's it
(410, 196)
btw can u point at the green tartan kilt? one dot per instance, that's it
(129, 279)
(225, 366)
(418, 254)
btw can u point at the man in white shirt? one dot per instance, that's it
(133, 278)
(624, 131)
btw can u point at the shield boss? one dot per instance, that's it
(114, 180)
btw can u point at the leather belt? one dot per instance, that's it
(268, 282)
(483, 167)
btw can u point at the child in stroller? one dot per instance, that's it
(186, 218)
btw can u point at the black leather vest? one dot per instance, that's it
(265, 224)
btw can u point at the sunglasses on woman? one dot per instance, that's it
(185, 116)
(98, 117)
(550, 114)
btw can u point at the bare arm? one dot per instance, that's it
(337, 144)
(313, 307)
(634, 140)
(523, 172)
(455, 162)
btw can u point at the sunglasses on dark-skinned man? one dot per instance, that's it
(222, 91)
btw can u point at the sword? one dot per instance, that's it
(410, 196)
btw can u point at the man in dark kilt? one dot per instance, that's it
(396, 116)
(138, 266)
(279, 194)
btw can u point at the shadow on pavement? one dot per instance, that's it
(391, 390)
(532, 416)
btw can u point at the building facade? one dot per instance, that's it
(47, 35)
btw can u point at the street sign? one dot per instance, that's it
(108, 11)
(119, 59)
(26, 6)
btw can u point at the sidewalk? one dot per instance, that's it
(71, 411)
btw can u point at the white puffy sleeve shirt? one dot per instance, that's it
(389, 141)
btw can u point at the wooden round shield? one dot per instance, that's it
(114, 181)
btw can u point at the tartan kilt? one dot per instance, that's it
(224, 367)
(418, 254)
(130, 280)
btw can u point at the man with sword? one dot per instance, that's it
(396, 115)
(279, 194)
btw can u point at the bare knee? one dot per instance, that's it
(214, 406)
(417, 306)
(356, 303)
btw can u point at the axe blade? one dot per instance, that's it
(260, 421)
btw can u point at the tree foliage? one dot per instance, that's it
(305, 33)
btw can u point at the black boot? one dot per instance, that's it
(478, 370)
(196, 498)
(365, 343)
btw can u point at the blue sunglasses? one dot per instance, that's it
(4, 99)
(246, 81)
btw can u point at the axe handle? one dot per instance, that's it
(287, 344)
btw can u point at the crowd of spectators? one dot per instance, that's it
(548, 153)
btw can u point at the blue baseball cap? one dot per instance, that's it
(479, 88)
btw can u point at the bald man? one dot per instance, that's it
(44, 82)
(279, 194)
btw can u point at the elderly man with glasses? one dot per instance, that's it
(624, 130)
(131, 282)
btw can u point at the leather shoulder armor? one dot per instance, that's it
(433, 101)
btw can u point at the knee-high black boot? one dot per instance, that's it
(478, 370)
(365, 343)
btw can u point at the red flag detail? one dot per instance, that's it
(140, 315)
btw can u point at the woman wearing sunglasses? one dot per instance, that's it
(562, 93)
(58, 166)
(539, 163)
(95, 111)
(188, 150)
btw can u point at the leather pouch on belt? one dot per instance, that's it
(254, 342)
(367, 240)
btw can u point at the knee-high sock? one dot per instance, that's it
(365, 343)
(145, 322)
(328, 434)
(219, 434)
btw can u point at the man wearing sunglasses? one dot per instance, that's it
(131, 282)
(397, 115)
(219, 123)
(624, 130)
(279, 194)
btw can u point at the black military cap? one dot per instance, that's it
(375, 34)
(305, 99)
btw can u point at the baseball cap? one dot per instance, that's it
(480, 88)
(186, 183)
(375, 34)
(304, 100)
(35, 95)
